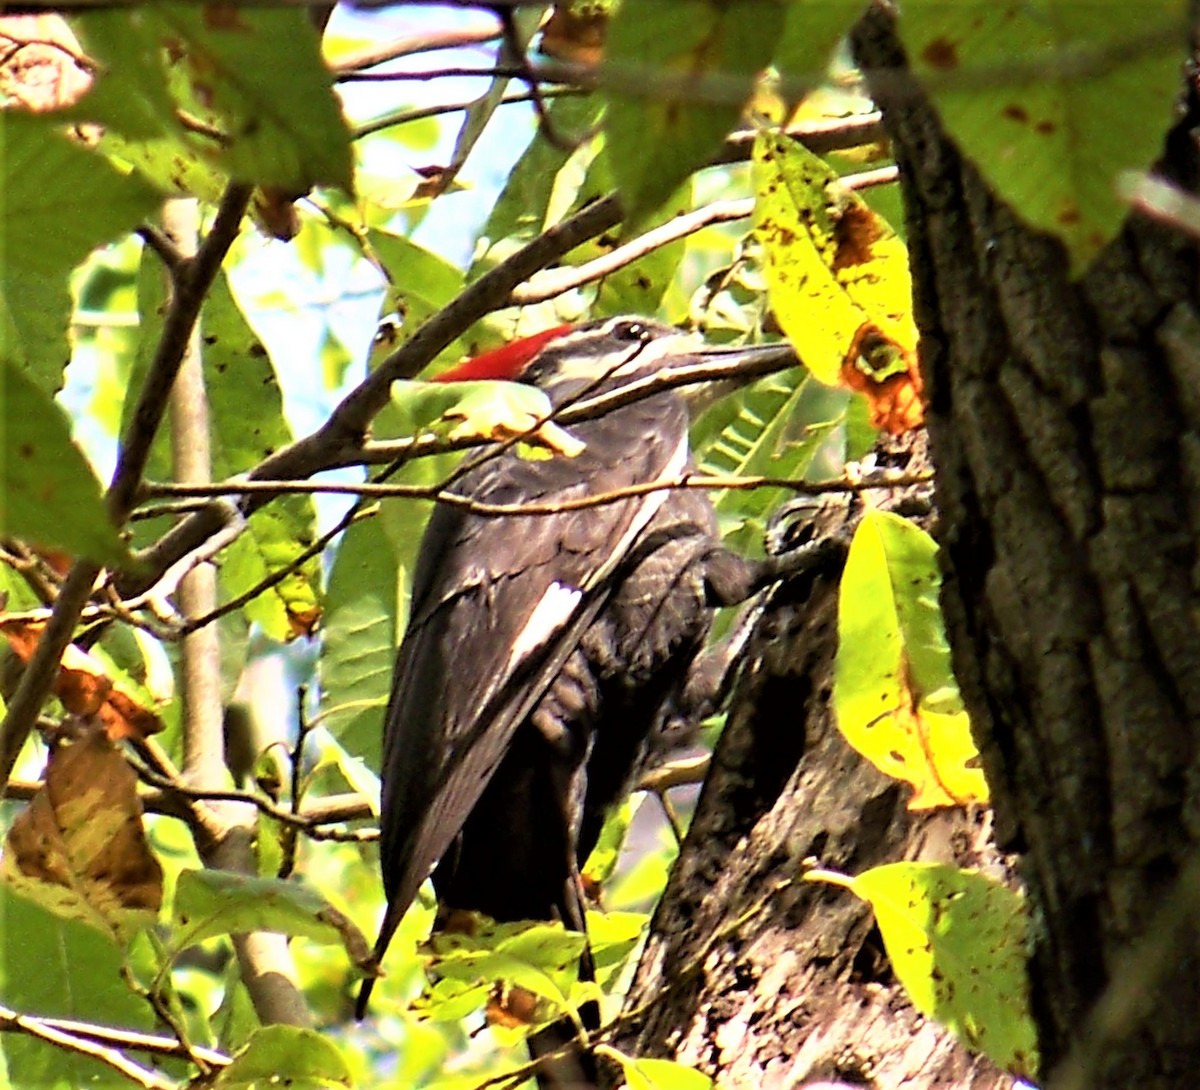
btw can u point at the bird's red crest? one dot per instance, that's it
(505, 362)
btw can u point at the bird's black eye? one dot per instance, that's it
(637, 332)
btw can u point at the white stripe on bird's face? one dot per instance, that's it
(602, 352)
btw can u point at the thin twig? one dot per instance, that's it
(440, 494)
(12, 1021)
(403, 117)
(151, 1044)
(490, 71)
(349, 807)
(415, 44)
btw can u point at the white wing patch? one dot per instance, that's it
(546, 620)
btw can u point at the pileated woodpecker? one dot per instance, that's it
(545, 652)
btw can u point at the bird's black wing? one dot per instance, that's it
(498, 605)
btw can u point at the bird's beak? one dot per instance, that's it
(721, 371)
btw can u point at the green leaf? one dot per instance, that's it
(363, 624)
(300, 1059)
(252, 82)
(774, 427)
(49, 495)
(46, 230)
(245, 400)
(655, 1074)
(958, 943)
(1053, 99)
(215, 902)
(66, 969)
(676, 74)
(894, 691)
(235, 1020)
(420, 283)
(290, 607)
(811, 31)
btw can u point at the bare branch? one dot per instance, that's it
(149, 1043)
(554, 282)
(44, 1030)
(327, 811)
(440, 493)
(402, 117)
(414, 44)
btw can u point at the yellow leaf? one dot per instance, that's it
(838, 281)
(894, 692)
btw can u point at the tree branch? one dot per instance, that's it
(45, 1030)
(555, 282)
(412, 45)
(191, 282)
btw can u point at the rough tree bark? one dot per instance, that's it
(750, 973)
(1063, 422)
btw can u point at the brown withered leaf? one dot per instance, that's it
(42, 67)
(575, 32)
(86, 687)
(79, 849)
(513, 1007)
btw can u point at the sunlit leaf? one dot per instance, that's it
(958, 943)
(216, 902)
(838, 280)
(300, 1059)
(46, 230)
(1053, 99)
(48, 493)
(894, 691)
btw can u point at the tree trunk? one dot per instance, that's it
(750, 973)
(1063, 422)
